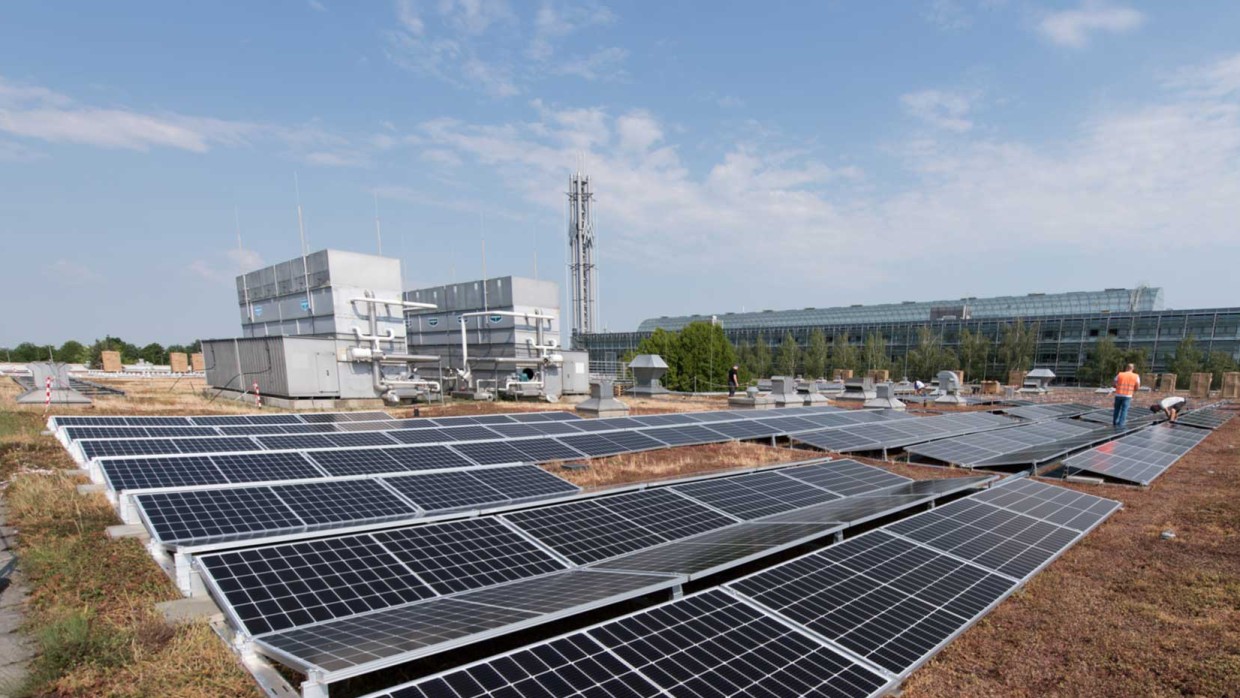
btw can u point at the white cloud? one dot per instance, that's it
(226, 271)
(941, 109)
(1073, 28)
(484, 45)
(42, 114)
(317, 6)
(68, 272)
(1127, 178)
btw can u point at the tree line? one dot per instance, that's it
(75, 352)
(700, 355)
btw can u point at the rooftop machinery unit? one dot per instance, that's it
(499, 336)
(327, 325)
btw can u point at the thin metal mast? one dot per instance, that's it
(301, 230)
(245, 289)
(378, 233)
(581, 247)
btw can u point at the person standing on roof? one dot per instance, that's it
(1174, 406)
(734, 380)
(1126, 384)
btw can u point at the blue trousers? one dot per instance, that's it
(1119, 416)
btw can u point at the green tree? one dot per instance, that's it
(1218, 363)
(760, 359)
(929, 356)
(843, 356)
(73, 352)
(129, 353)
(29, 351)
(874, 353)
(974, 354)
(1101, 364)
(786, 359)
(153, 353)
(814, 359)
(1016, 346)
(1186, 361)
(1136, 357)
(704, 356)
(666, 345)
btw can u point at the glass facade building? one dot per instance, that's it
(1066, 326)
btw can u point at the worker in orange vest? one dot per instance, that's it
(1126, 384)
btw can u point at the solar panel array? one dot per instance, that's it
(1053, 410)
(1207, 418)
(1030, 444)
(884, 435)
(1139, 457)
(181, 470)
(850, 620)
(678, 430)
(468, 579)
(1136, 416)
(56, 422)
(197, 517)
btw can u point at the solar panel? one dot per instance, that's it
(860, 508)
(795, 492)
(633, 441)
(215, 444)
(741, 429)
(1139, 457)
(555, 428)
(142, 473)
(264, 467)
(524, 482)
(844, 477)
(706, 645)
(998, 539)
(318, 417)
(494, 419)
(332, 502)
(712, 644)
(445, 491)
(885, 599)
(124, 432)
(552, 416)
(607, 424)
(1057, 505)
(592, 445)
(730, 496)
(406, 632)
(584, 531)
(423, 436)
(489, 452)
(294, 442)
(277, 587)
(515, 430)
(470, 554)
(427, 457)
(370, 461)
(214, 514)
(114, 448)
(665, 513)
(724, 547)
(1032, 443)
(355, 439)
(474, 432)
(222, 420)
(544, 450)
(1205, 419)
(686, 435)
(662, 420)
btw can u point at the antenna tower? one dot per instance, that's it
(581, 253)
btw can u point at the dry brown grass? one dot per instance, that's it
(682, 462)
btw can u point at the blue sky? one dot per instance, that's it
(745, 155)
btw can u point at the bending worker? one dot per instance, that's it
(1173, 406)
(1126, 384)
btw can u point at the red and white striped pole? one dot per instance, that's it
(47, 401)
(258, 399)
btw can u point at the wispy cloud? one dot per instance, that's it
(36, 112)
(943, 109)
(1073, 28)
(316, 5)
(486, 46)
(71, 273)
(226, 270)
(1127, 177)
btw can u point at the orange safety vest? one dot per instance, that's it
(1126, 383)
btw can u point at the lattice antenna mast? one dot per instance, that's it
(581, 253)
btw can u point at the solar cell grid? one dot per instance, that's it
(886, 599)
(793, 491)
(515, 430)
(583, 532)
(143, 473)
(279, 587)
(634, 441)
(265, 467)
(665, 513)
(214, 514)
(115, 448)
(355, 439)
(732, 497)
(607, 424)
(489, 453)
(220, 421)
(844, 477)
(554, 428)
(524, 482)
(470, 554)
(427, 457)
(331, 502)
(1005, 541)
(1205, 419)
(494, 419)
(474, 432)
(683, 435)
(435, 492)
(1139, 457)
(294, 442)
(552, 415)
(1057, 505)
(217, 444)
(341, 462)
(544, 450)
(593, 445)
